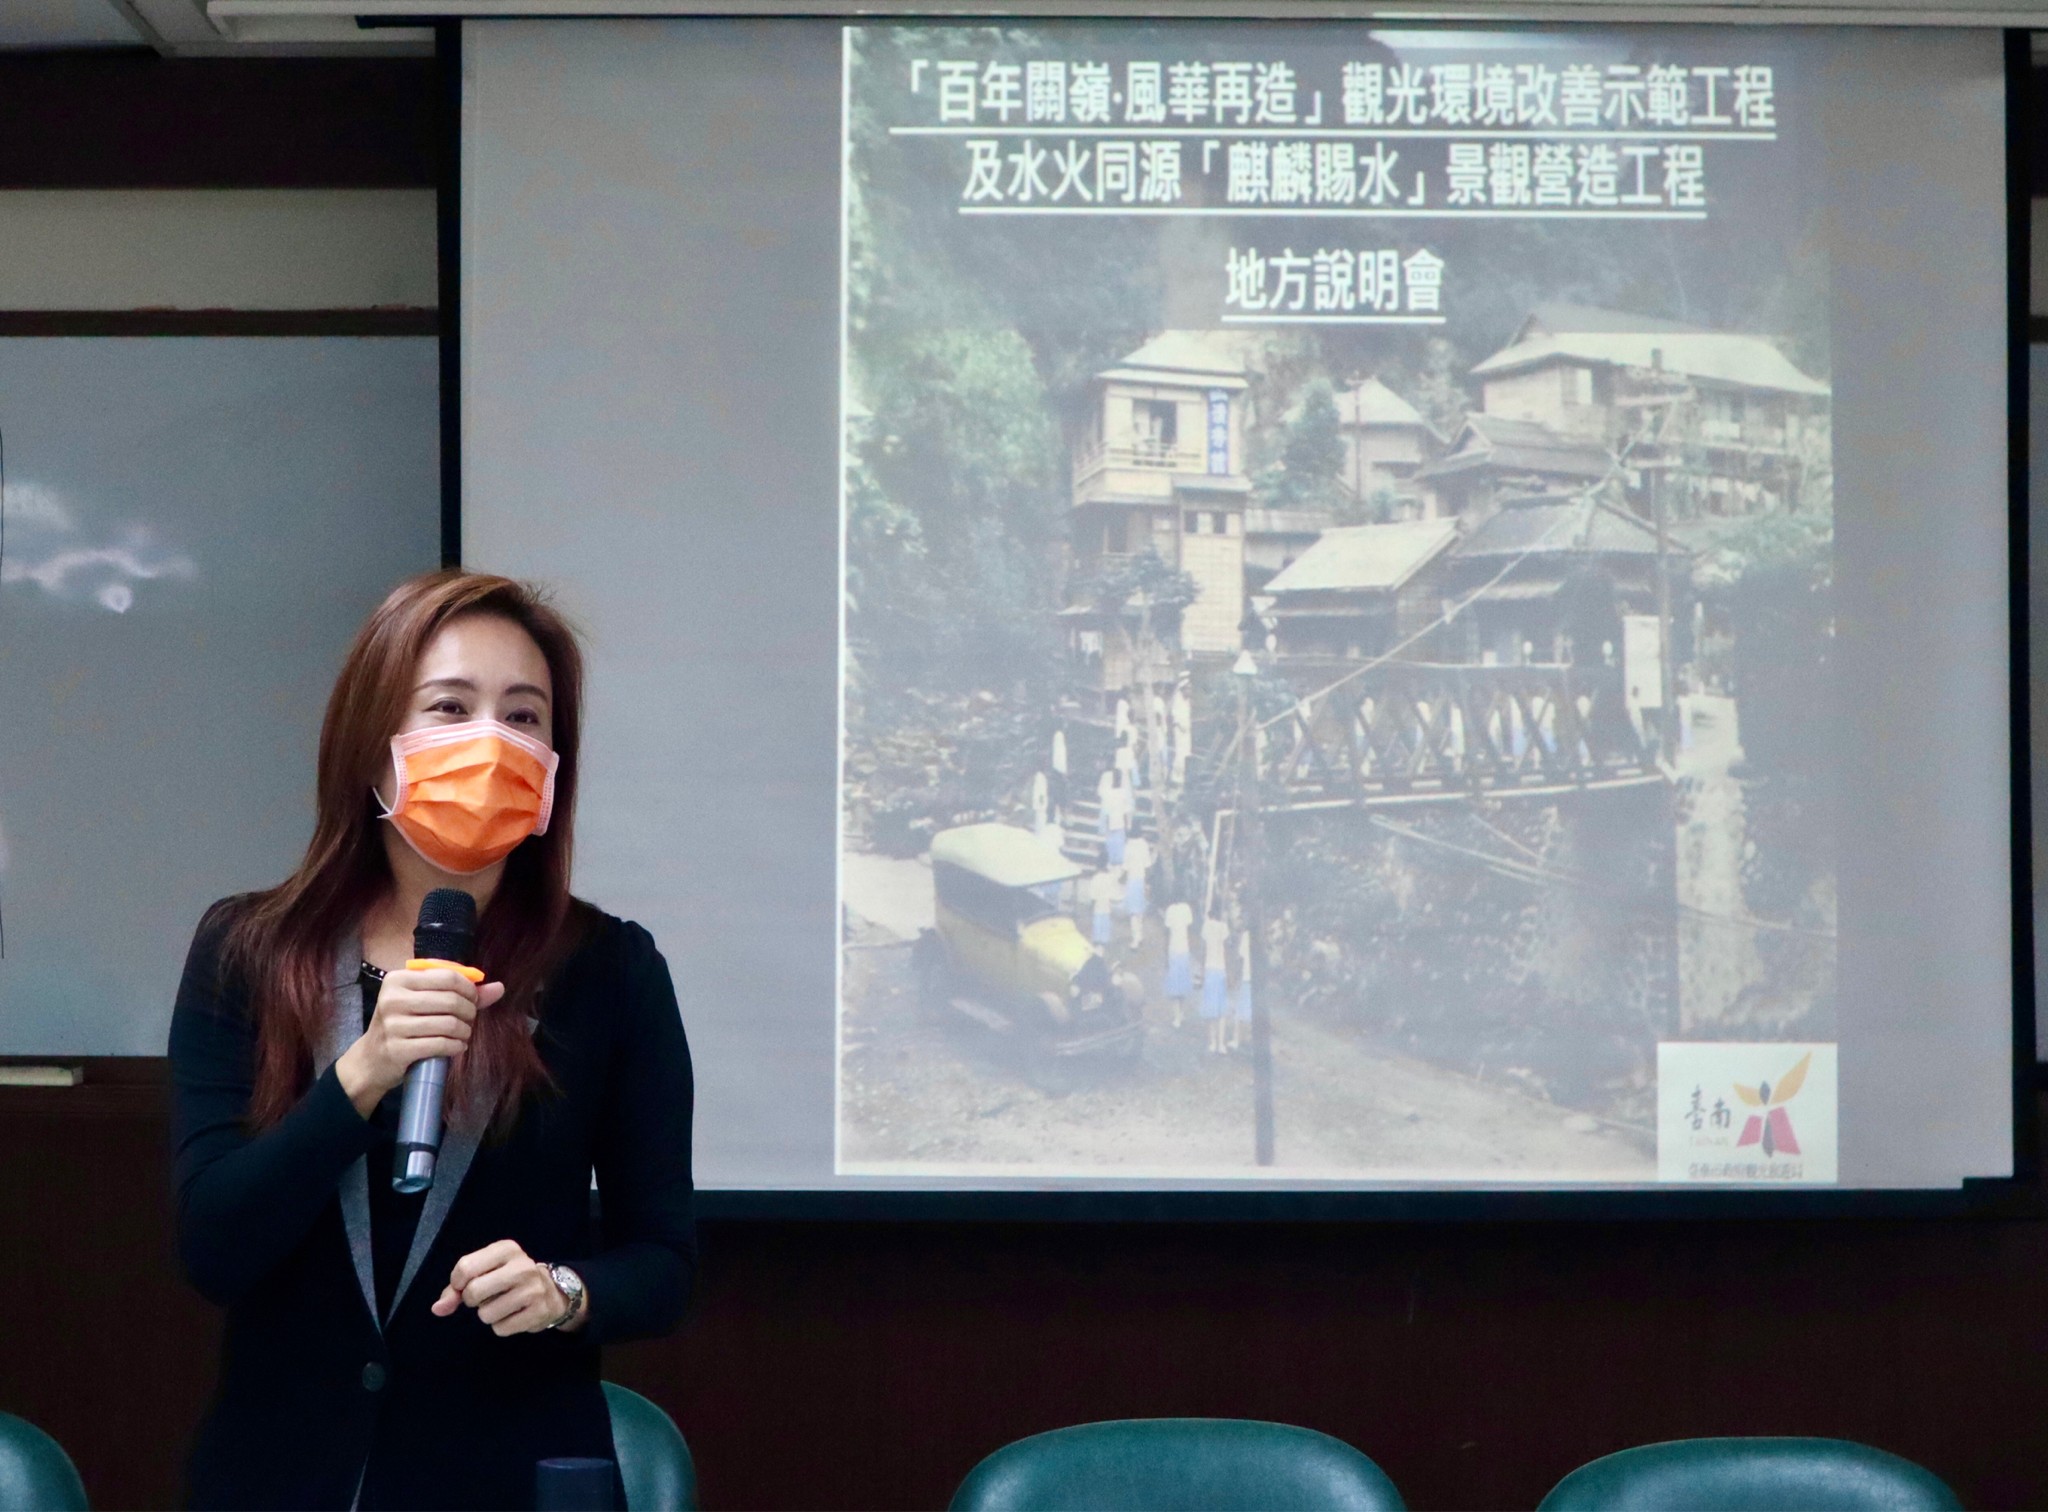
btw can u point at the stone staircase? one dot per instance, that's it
(1084, 832)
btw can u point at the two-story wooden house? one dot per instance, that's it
(1746, 428)
(1500, 456)
(1386, 443)
(1362, 589)
(1159, 467)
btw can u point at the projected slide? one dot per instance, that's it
(1186, 607)
(1338, 556)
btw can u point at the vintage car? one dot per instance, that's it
(1003, 953)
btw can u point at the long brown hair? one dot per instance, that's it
(283, 942)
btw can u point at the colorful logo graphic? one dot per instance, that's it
(1716, 1122)
(1771, 1126)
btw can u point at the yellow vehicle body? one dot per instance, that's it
(1043, 956)
(1002, 951)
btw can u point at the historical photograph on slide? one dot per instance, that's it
(1338, 554)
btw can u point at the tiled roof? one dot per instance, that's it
(1607, 338)
(1363, 558)
(1185, 354)
(1371, 402)
(1520, 446)
(1554, 523)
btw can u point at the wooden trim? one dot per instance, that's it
(114, 1086)
(448, 255)
(387, 322)
(128, 119)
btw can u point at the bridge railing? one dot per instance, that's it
(1414, 727)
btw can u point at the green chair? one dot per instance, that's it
(1177, 1465)
(654, 1462)
(1751, 1475)
(36, 1475)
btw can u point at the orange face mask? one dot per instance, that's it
(468, 793)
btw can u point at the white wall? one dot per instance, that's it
(2037, 303)
(199, 249)
(275, 249)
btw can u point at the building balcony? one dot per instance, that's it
(1150, 459)
(1733, 435)
(1099, 562)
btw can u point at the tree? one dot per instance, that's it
(1438, 387)
(1774, 576)
(1314, 454)
(955, 510)
(1311, 469)
(1380, 506)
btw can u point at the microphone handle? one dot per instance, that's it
(419, 1125)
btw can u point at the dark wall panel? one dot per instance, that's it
(869, 1365)
(105, 1348)
(133, 120)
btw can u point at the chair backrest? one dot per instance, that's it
(1750, 1475)
(36, 1475)
(1177, 1465)
(654, 1462)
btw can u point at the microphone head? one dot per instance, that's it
(446, 930)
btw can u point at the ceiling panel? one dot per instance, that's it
(65, 23)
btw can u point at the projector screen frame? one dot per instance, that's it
(2018, 1196)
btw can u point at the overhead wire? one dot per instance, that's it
(1543, 872)
(1617, 464)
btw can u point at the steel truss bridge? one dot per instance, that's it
(1404, 734)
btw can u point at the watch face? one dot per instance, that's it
(571, 1286)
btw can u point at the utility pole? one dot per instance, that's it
(1659, 411)
(1667, 723)
(1250, 843)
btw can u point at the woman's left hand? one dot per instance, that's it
(512, 1293)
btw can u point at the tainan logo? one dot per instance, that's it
(1771, 1125)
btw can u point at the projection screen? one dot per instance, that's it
(1250, 607)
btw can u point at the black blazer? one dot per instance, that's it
(315, 1402)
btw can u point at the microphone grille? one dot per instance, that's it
(447, 926)
(448, 909)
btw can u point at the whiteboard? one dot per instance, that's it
(194, 526)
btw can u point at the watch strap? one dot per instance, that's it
(571, 1286)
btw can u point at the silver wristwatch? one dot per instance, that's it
(571, 1286)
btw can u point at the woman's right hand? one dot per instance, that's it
(420, 1014)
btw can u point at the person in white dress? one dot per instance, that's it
(1041, 801)
(1215, 937)
(1102, 892)
(1137, 862)
(1180, 980)
(1059, 769)
(1105, 806)
(1127, 757)
(1241, 1017)
(1116, 817)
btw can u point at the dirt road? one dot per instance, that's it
(942, 1097)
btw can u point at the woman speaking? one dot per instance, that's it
(388, 1350)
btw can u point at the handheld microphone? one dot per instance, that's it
(576, 1485)
(444, 936)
